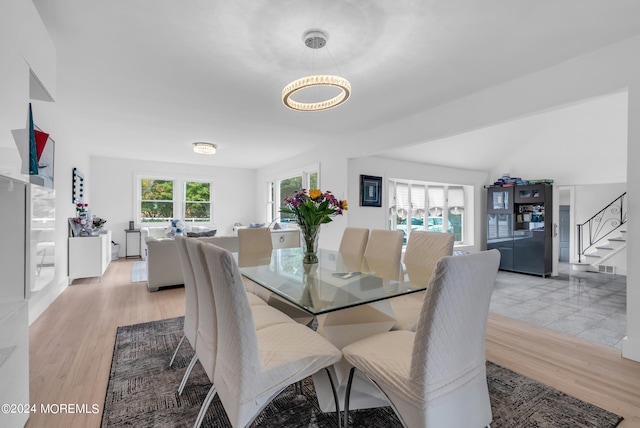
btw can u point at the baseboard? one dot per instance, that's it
(631, 349)
(41, 300)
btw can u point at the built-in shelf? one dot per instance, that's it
(519, 226)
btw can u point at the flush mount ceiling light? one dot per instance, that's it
(205, 148)
(316, 39)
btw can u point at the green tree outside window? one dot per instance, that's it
(156, 200)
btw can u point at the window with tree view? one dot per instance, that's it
(197, 201)
(164, 199)
(156, 200)
(289, 186)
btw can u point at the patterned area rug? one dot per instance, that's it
(142, 393)
(139, 271)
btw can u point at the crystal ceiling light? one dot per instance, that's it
(205, 148)
(316, 39)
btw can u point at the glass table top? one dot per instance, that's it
(334, 283)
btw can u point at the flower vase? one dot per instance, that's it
(310, 243)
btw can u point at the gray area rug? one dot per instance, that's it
(139, 271)
(142, 392)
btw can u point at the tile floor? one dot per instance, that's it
(589, 305)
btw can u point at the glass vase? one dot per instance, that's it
(310, 243)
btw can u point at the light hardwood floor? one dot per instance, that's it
(71, 345)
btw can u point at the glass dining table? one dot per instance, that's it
(335, 283)
(347, 295)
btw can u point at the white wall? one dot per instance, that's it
(631, 344)
(582, 143)
(111, 192)
(592, 198)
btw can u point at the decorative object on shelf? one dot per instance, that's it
(205, 148)
(79, 226)
(310, 210)
(84, 224)
(370, 191)
(98, 222)
(316, 39)
(507, 181)
(81, 209)
(77, 195)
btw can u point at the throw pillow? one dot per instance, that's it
(201, 234)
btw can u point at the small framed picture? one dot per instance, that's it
(370, 191)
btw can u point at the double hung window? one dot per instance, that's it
(161, 199)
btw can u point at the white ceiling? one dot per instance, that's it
(145, 79)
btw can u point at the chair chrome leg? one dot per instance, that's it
(192, 363)
(205, 406)
(347, 394)
(335, 395)
(176, 351)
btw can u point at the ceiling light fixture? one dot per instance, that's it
(205, 148)
(316, 39)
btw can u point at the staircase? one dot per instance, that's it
(602, 240)
(602, 257)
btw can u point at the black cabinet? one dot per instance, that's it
(519, 226)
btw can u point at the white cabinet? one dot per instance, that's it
(89, 255)
(285, 238)
(14, 309)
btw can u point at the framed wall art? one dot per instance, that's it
(370, 191)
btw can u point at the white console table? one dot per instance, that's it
(89, 256)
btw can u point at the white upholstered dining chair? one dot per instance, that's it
(424, 250)
(190, 307)
(254, 240)
(207, 334)
(254, 249)
(253, 366)
(383, 253)
(436, 376)
(352, 246)
(253, 246)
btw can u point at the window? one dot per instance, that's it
(271, 201)
(162, 199)
(197, 201)
(426, 206)
(288, 187)
(156, 200)
(278, 190)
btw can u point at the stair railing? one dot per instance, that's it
(607, 220)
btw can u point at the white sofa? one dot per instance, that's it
(160, 232)
(163, 265)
